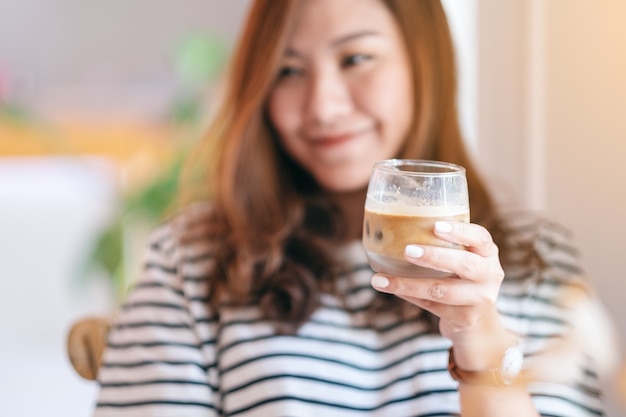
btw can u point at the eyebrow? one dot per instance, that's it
(341, 40)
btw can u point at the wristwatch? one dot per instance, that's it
(505, 374)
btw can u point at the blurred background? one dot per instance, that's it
(99, 99)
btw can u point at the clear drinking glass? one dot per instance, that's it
(404, 200)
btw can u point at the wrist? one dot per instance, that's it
(482, 345)
(506, 373)
(484, 352)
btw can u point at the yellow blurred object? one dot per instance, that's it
(138, 149)
(118, 140)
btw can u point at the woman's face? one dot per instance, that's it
(343, 98)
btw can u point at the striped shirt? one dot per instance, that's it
(169, 355)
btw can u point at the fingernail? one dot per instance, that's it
(380, 281)
(443, 227)
(413, 251)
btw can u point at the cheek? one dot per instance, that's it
(282, 113)
(389, 98)
(285, 118)
(401, 92)
(274, 104)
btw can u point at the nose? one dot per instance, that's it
(329, 98)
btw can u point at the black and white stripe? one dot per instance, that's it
(168, 355)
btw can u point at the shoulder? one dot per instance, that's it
(544, 279)
(178, 248)
(172, 237)
(532, 241)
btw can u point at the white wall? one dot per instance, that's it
(463, 19)
(552, 130)
(50, 210)
(585, 130)
(552, 125)
(97, 56)
(501, 85)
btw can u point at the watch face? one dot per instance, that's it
(512, 364)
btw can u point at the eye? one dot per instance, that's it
(355, 59)
(287, 71)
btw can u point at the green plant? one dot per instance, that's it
(138, 212)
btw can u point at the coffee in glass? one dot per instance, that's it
(404, 200)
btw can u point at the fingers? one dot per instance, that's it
(464, 264)
(464, 301)
(478, 263)
(473, 236)
(446, 291)
(476, 272)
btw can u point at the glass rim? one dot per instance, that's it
(391, 166)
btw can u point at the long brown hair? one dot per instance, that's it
(265, 226)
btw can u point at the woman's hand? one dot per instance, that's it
(465, 301)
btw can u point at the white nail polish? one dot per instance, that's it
(413, 251)
(379, 281)
(443, 227)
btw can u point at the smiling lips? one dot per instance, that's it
(332, 140)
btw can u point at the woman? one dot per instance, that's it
(261, 302)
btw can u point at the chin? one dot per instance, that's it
(342, 176)
(344, 184)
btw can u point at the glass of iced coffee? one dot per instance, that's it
(404, 200)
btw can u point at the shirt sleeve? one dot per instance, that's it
(155, 362)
